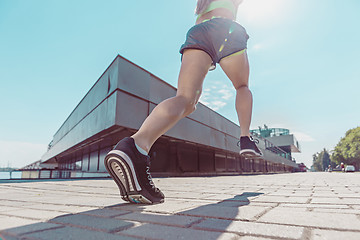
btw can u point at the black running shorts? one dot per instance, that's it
(218, 37)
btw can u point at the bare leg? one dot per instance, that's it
(194, 67)
(237, 69)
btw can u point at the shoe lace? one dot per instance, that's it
(149, 177)
(151, 183)
(255, 140)
(147, 171)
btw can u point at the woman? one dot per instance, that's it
(215, 39)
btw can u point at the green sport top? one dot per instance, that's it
(227, 4)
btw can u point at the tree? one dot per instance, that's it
(321, 161)
(348, 149)
(325, 159)
(316, 163)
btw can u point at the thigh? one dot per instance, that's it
(194, 67)
(236, 67)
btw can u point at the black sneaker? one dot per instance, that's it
(130, 170)
(248, 147)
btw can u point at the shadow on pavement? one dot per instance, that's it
(119, 222)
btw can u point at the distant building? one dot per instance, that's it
(203, 143)
(279, 139)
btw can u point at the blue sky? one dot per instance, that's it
(304, 57)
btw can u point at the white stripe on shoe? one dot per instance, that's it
(130, 164)
(250, 151)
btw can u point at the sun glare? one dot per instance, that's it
(263, 11)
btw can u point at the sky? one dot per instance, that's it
(303, 54)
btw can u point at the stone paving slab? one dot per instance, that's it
(222, 196)
(251, 228)
(300, 217)
(17, 203)
(314, 206)
(169, 206)
(31, 228)
(280, 206)
(60, 208)
(334, 235)
(106, 212)
(165, 219)
(34, 214)
(5, 209)
(73, 233)
(344, 211)
(334, 200)
(93, 222)
(7, 222)
(7, 237)
(214, 211)
(282, 199)
(154, 231)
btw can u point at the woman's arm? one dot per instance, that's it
(237, 2)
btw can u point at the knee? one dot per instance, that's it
(242, 86)
(189, 105)
(191, 108)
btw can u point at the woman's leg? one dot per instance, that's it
(236, 67)
(194, 67)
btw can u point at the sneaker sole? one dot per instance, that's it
(249, 153)
(121, 169)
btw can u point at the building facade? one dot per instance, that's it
(203, 143)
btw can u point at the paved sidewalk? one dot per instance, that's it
(280, 206)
